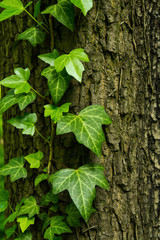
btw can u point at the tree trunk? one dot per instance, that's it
(122, 40)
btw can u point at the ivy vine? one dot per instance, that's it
(86, 126)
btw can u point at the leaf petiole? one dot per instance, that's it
(38, 93)
(37, 21)
(42, 136)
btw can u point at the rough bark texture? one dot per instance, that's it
(122, 40)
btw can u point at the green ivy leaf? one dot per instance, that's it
(34, 159)
(4, 196)
(57, 238)
(40, 178)
(87, 126)
(26, 99)
(18, 81)
(58, 83)
(63, 11)
(55, 112)
(49, 57)
(11, 99)
(33, 35)
(81, 184)
(11, 8)
(57, 226)
(25, 236)
(84, 5)
(49, 197)
(13, 216)
(30, 207)
(73, 215)
(72, 63)
(25, 222)
(54, 208)
(15, 169)
(37, 9)
(26, 123)
(9, 232)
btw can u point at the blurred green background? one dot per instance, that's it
(1, 178)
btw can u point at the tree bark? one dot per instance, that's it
(123, 43)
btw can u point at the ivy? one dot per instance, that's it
(33, 35)
(86, 126)
(63, 11)
(26, 123)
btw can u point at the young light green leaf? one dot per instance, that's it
(72, 63)
(25, 222)
(84, 5)
(37, 9)
(55, 112)
(26, 99)
(18, 81)
(63, 11)
(34, 159)
(33, 35)
(87, 127)
(49, 57)
(4, 196)
(81, 184)
(49, 197)
(9, 232)
(15, 169)
(73, 215)
(11, 99)
(57, 226)
(30, 207)
(13, 216)
(58, 83)
(11, 8)
(25, 236)
(26, 123)
(40, 178)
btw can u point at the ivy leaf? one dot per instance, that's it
(18, 81)
(33, 35)
(11, 8)
(87, 127)
(13, 216)
(49, 197)
(26, 99)
(63, 11)
(72, 63)
(11, 99)
(49, 57)
(55, 112)
(54, 208)
(15, 169)
(58, 83)
(84, 5)
(25, 236)
(73, 215)
(4, 196)
(9, 232)
(30, 207)
(37, 9)
(34, 159)
(40, 178)
(26, 123)
(57, 238)
(80, 184)
(25, 222)
(57, 226)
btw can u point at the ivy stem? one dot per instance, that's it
(36, 21)
(51, 31)
(38, 93)
(42, 136)
(51, 148)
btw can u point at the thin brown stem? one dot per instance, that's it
(51, 148)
